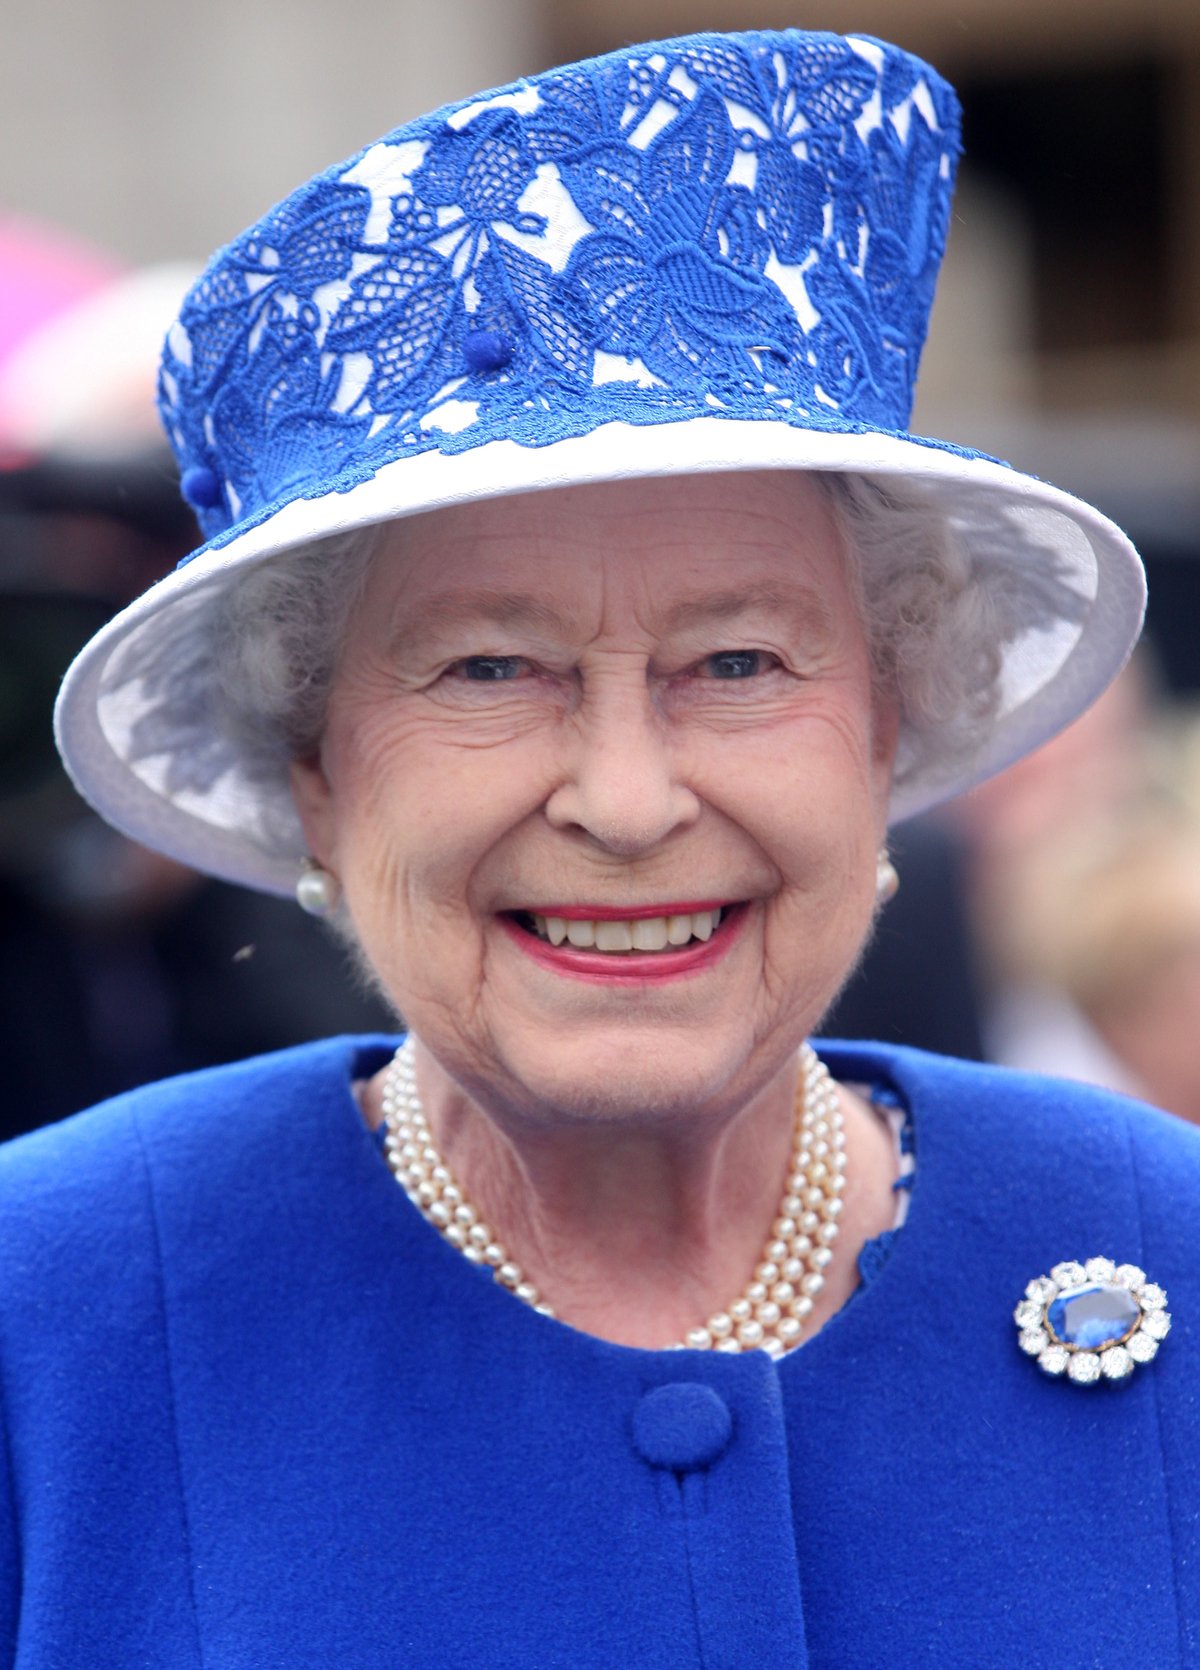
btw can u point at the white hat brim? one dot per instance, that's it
(1048, 682)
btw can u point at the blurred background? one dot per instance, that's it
(1051, 919)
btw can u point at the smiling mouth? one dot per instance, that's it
(635, 936)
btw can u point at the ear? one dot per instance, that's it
(314, 805)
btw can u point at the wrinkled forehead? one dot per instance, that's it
(676, 550)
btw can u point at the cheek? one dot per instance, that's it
(813, 776)
(417, 813)
(807, 792)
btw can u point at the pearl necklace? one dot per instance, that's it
(773, 1307)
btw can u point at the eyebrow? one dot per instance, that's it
(495, 607)
(728, 605)
(523, 609)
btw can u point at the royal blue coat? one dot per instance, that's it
(259, 1416)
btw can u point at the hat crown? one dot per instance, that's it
(739, 225)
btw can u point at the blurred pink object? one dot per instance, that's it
(44, 272)
(80, 339)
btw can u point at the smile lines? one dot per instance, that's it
(647, 933)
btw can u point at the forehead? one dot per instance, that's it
(681, 545)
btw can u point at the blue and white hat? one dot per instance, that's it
(714, 253)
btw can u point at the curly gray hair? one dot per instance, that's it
(942, 593)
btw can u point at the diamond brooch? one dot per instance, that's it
(1093, 1321)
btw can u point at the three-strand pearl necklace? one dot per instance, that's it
(773, 1307)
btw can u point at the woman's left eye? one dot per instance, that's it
(491, 669)
(737, 663)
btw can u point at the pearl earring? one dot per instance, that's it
(887, 882)
(318, 891)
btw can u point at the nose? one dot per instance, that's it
(622, 791)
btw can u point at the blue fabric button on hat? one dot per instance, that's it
(486, 350)
(682, 1427)
(200, 487)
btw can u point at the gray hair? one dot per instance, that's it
(942, 592)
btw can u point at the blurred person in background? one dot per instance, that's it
(129, 957)
(1017, 834)
(1101, 936)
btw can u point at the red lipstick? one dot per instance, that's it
(630, 968)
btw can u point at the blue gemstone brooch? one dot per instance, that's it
(1093, 1321)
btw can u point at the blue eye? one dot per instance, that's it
(491, 668)
(740, 663)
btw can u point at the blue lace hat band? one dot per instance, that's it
(712, 253)
(745, 226)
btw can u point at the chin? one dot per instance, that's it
(632, 1071)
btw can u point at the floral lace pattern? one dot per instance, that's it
(744, 226)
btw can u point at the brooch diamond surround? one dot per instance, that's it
(1091, 1322)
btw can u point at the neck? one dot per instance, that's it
(638, 1234)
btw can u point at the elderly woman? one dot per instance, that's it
(575, 614)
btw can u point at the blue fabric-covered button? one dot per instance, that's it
(486, 350)
(200, 487)
(682, 1426)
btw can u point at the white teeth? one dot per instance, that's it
(650, 933)
(614, 936)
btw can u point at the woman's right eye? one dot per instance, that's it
(490, 669)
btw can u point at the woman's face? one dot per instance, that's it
(609, 706)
